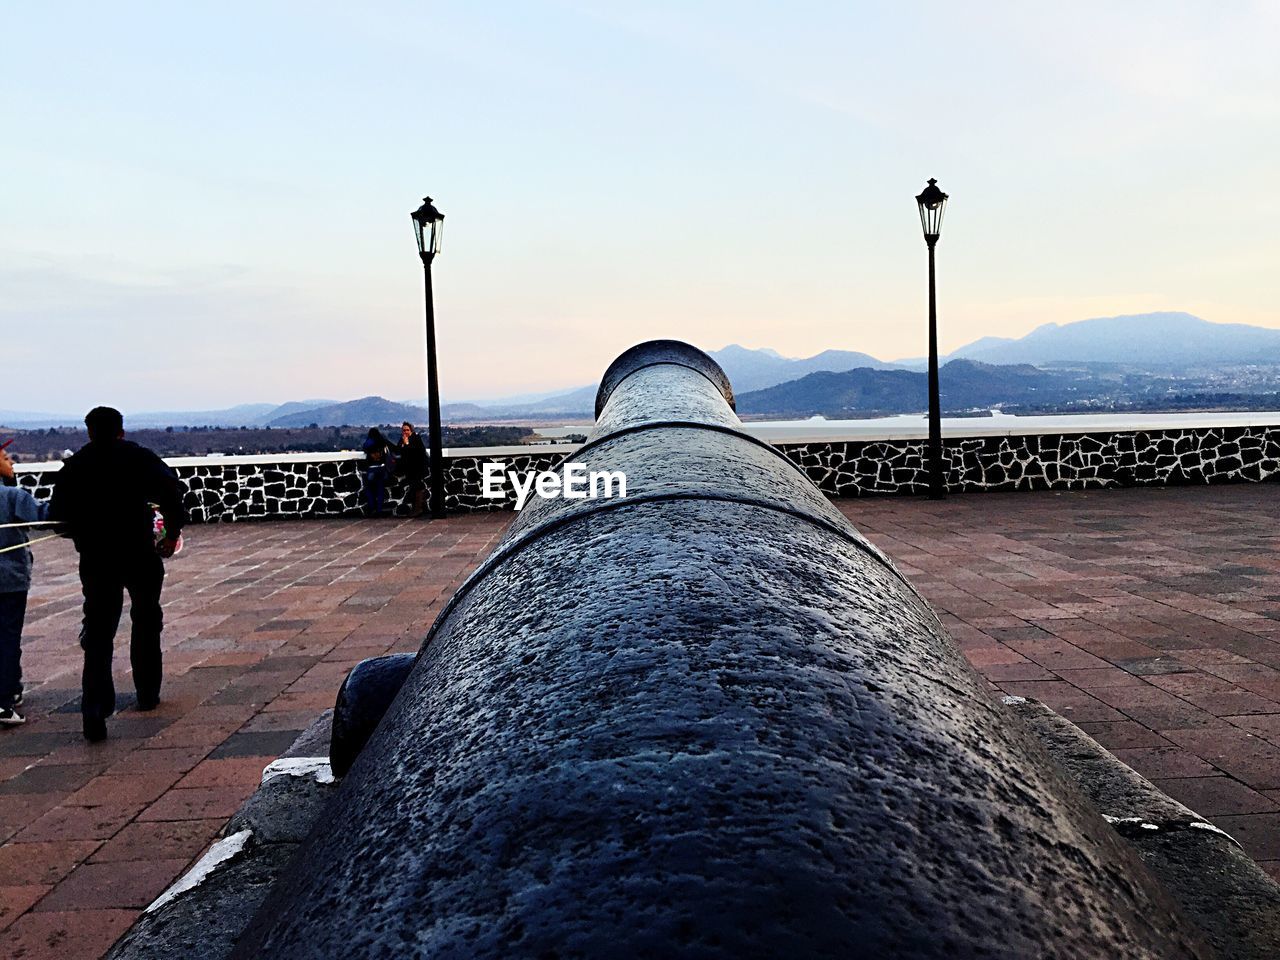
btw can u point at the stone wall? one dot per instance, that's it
(1046, 461)
(227, 489)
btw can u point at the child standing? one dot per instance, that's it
(16, 506)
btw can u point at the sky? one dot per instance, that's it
(207, 204)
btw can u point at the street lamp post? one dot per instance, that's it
(933, 202)
(428, 224)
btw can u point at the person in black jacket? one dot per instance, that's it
(104, 495)
(413, 465)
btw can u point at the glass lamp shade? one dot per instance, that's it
(932, 203)
(428, 224)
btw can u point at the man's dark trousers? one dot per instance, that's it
(104, 579)
(13, 611)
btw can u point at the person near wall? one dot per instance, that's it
(16, 506)
(106, 496)
(377, 470)
(413, 465)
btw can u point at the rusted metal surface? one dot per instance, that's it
(709, 720)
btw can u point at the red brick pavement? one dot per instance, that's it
(262, 623)
(1149, 617)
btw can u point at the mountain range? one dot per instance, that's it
(747, 370)
(757, 369)
(1151, 341)
(1160, 344)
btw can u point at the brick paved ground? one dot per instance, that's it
(1150, 617)
(262, 623)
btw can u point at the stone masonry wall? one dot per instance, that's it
(1046, 462)
(218, 492)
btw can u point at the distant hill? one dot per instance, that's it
(39, 419)
(963, 385)
(242, 415)
(245, 414)
(863, 390)
(581, 400)
(295, 406)
(1147, 340)
(367, 411)
(455, 411)
(757, 369)
(571, 404)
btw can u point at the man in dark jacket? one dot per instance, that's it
(413, 465)
(103, 494)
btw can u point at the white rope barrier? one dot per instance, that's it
(19, 546)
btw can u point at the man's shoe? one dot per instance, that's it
(95, 729)
(10, 717)
(148, 703)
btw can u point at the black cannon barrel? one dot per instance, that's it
(708, 719)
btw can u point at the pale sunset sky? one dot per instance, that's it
(207, 204)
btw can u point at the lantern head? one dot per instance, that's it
(932, 203)
(428, 224)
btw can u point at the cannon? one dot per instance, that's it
(707, 719)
